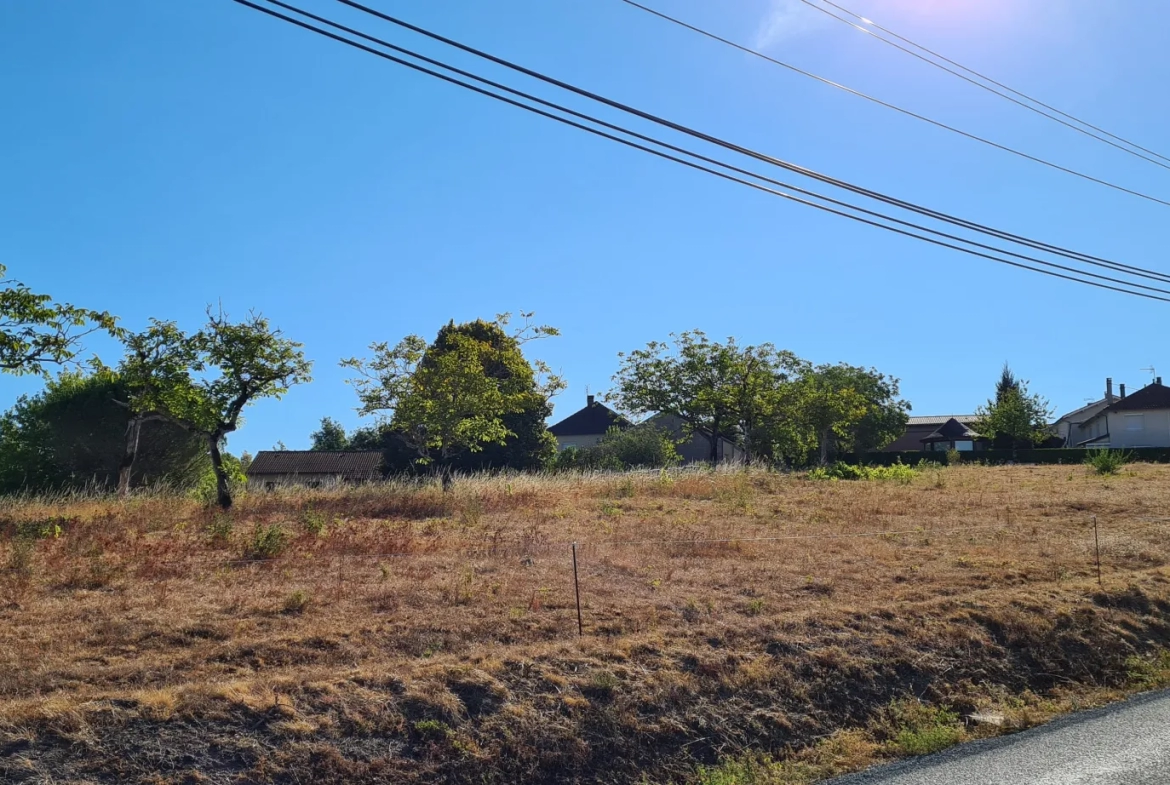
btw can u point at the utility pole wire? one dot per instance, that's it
(990, 88)
(690, 164)
(700, 157)
(894, 107)
(941, 216)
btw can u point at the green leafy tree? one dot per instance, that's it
(330, 436)
(203, 382)
(833, 408)
(70, 435)
(455, 396)
(718, 390)
(36, 332)
(1015, 417)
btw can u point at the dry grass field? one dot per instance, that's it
(397, 634)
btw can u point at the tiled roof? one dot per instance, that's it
(1152, 396)
(950, 430)
(348, 464)
(594, 420)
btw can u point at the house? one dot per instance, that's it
(585, 427)
(920, 428)
(272, 469)
(697, 448)
(1138, 420)
(952, 435)
(1070, 428)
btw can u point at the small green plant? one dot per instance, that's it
(315, 522)
(755, 607)
(919, 729)
(47, 529)
(21, 556)
(954, 457)
(1149, 674)
(433, 730)
(1107, 462)
(298, 602)
(266, 542)
(220, 529)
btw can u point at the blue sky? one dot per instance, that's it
(160, 157)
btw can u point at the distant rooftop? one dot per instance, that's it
(349, 464)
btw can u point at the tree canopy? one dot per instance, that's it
(718, 390)
(469, 389)
(204, 381)
(71, 436)
(36, 332)
(330, 436)
(1014, 417)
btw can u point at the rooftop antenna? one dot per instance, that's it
(1151, 371)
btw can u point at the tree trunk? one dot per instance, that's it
(825, 447)
(223, 492)
(126, 467)
(447, 477)
(713, 456)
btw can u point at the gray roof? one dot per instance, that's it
(347, 464)
(942, 420)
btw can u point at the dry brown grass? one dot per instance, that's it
(391, 633)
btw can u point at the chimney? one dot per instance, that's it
(1158, 381)
(1123, 391)
(1109, 390)
(589, 400)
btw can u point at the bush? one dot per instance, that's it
(898, 472)
(1107, 461)
(643, 446)
(266, 542)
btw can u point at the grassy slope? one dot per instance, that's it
(399, 635)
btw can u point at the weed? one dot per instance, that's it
(1149, 674)
(471, 513)
(315, 522)
(266, 542)
(954, 457)
(298, 602)
(47, 529)
(914, 728)
(610, 510)
(755, 607)
(433, 730)
(1107, 462)
(20, 558)
(220, 529)
(898, 472)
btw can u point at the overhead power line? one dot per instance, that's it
(668, 156)
(698, 156)
(935, 214)
(991, 86)
(891, 106)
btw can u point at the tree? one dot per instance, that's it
(203, 382)
(456, 395)
(36, 332)
(643, 446)
(330, 436)
(718, 390)
(1007, 383)
(832, 408)
(1014, 416)
(71, 436)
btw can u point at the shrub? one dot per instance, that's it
(316, 523)
(1107, 461)
(954, 457)
(220, 529)
(298, 602)
(266, 542)
(898, 472)
(643, 446)
(918, 729)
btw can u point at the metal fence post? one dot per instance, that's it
(577, 591)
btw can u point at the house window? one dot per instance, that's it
(964, 446)
(269, 486)
(1135, 422)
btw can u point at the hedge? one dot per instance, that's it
(1049, 456)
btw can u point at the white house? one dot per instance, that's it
(1138, 420)
(1071, 428)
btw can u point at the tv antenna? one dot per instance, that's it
(1151, 371)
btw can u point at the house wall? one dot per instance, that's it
(1154, 430)
(260, 482)
(580, 442)
(1073, 433)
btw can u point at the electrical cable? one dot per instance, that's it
(699, 167)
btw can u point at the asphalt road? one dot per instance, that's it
(1124, 744)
